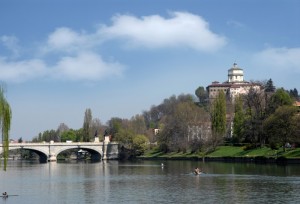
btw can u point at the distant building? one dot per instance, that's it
(297, 104)
(234, 86)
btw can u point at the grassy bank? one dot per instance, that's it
(227, 152)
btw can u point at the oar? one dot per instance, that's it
(3, 196)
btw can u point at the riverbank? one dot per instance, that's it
(231, 154)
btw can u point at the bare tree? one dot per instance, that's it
(61, 128)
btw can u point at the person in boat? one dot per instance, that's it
(197, 170)
(4, 194)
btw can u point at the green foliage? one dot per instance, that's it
(115, 125)
(282, 126)
(279, 98)
(87, 124)
(202, 95)
(125, 137)
(294, 94)
(47, 136)
(5, 120)
(218, 114)
(140, 144)
(270, 88)
(68, 135)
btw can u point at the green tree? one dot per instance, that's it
(201, 93)
(87, 123)
(281, 126)
(5, 119)
(294, 94)
(115, 125)
(68, 135)
(218, 114)
(218, 120)
(140, 144)
(269, 87)
(125, 138)
(20, 140)
(279, 98)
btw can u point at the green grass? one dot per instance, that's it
(228, 151)
(294, 153)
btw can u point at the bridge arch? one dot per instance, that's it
(43, 156)
(96, 155)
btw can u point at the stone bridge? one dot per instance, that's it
(49, 151)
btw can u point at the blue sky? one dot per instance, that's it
(120, 57)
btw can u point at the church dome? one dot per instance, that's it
(235, 74)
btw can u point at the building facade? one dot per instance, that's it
(234, 86)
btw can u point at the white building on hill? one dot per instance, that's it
(234, 86)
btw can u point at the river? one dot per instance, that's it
(149, 182)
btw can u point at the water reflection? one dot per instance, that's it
(148, 182)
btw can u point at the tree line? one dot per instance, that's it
(197, 124)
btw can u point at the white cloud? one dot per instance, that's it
(66, 40)
(72, 55)
(86, 66)
(20, 71)
(182, 29)
(279, 58)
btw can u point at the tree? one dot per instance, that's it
(281, 126)
(279, 98)
(218, 120)
(5, 119)
(68, 135)
(97, 129)
(238, 120)
(255, 103)
(114, 126)
(201, 93)
(180, 117)
(269, 87)
(20, 140)
(125, 138)
(140, 144)
(87, 125)
(218, 114)
(138, 124)
(294, 94)
(61, 129)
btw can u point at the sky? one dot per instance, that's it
(120, 57)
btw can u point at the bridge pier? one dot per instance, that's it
(52, 157)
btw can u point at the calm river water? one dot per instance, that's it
(148, 182)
